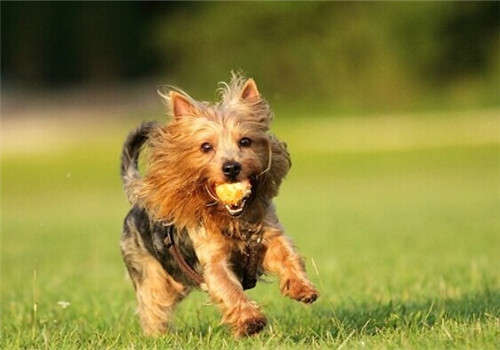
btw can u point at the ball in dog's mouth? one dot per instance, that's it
(234, 195)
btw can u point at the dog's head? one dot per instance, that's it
(206, 145)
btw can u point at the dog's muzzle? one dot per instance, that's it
(237, 209)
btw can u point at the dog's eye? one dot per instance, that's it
(245, 142)
(206, 147)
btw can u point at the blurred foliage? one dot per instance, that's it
(53, 44)
(346, 55)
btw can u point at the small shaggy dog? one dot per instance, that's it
(180, 235)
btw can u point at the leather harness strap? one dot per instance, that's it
(174, 251)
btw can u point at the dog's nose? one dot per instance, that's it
(231, 169)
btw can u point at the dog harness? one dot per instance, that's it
(250, 255)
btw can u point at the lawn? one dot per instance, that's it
(398, 218)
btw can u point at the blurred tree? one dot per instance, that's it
(350, 54)
(364, 55)
(54, 43)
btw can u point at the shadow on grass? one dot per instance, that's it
(372, 318)
(336, 325)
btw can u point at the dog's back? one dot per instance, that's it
(142, 234)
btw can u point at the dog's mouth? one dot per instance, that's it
(236, 209)
(234, 196)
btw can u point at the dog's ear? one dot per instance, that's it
(249, 91)
(180, 105)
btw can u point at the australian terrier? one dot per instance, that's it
(180, 234)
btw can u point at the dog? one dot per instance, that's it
(179, 235)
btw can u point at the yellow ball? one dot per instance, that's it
(233, 193)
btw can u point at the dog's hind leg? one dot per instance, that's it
(157, 292)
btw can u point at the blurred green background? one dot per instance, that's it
(392, 115)
(347, 56)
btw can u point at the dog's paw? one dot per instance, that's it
(251, 326)
(300, 290)
(251, 322)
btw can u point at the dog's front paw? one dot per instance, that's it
(300, 290)
(251, 326)
(250, 322)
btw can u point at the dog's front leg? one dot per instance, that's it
(242, 314)
(281, 259)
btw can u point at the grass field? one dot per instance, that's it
(398, 218)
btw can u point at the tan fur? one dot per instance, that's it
(173, 188)
(157, 292)
(225, 290)
(282, 260)
(178, 188)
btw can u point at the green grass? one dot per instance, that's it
(402, 238)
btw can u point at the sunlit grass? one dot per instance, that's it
(402, 241)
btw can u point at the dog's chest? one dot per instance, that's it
(240, 244)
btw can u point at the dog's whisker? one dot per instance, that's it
(216, 200)
(269, 159)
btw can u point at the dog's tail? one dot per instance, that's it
(130, 159)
